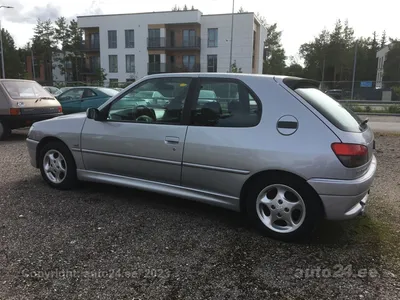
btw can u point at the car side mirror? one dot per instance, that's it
(93, 113)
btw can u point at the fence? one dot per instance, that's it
(363, 90)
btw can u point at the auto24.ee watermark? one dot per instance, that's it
(337, 271)
(97, 274)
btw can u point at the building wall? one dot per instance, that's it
(139, 23)
(242, 41)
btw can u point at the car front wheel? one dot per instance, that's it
(284, 208)
(57, 166)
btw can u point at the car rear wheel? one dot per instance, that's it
(284, 208)
(57, 166)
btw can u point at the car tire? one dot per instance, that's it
(284, 197)
(57, 166)
(5, 131)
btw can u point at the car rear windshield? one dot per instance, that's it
(340, 116)
(25, 89)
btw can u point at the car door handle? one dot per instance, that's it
(171, 140)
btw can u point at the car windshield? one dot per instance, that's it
(25, 89)
(109, 92)
(336, 113)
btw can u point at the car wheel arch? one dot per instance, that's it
(45, 141)
(268, 174)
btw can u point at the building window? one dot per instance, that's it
(130, 63)
(211, 63)
(94, 41)
(113, 63)
(189, 62)
(154, 38)
(94, 62)
(130, 38)
(112, 39)
(212, 37)
(189, 38)
(154, 63)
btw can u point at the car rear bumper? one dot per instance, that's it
(32, 146)
(345, 199)
(27, 120)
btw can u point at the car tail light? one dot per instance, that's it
(15, 111)
(351, 155)
(60, 109)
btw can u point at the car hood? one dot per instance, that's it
(64, 127)
(79, 115)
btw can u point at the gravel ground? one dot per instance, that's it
(103, 242)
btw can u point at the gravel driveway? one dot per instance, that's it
(103, 242)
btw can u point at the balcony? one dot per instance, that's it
(192, 43)
(90, 47)
(155, 68)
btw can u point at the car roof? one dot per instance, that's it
(21, 80)
(213, 74)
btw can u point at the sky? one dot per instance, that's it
(299, 21)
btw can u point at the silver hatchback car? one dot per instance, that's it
(274, 147)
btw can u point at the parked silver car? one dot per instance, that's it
(276, 148)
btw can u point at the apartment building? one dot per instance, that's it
(130, 46)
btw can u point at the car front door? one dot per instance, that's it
(137, 140)
(217, 158)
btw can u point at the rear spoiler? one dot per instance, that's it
(295, 83)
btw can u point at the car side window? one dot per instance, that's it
(73, 94)
(225, 103)
(88, 93)
(138, 105)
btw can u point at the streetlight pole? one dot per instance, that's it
(354, 69)
(230, 56)
(1, 44)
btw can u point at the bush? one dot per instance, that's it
(394, 109)
(368, 108)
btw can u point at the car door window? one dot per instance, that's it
(138, 104)
(225, 103)
(88, 93)
(75, 94)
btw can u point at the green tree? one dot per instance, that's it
(43, 45)
(75, 56)
(13, 65)
(63, 40)
(241, 10)
(235, 68)
(294, 68)
(274, 54)
(383, 39)
(100, 76)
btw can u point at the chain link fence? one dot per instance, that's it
(363, 90)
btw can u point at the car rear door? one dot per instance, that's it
(71, 100)
(92, 98)
(216, 158)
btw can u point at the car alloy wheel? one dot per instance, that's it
(55, 166)
(280, 208)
